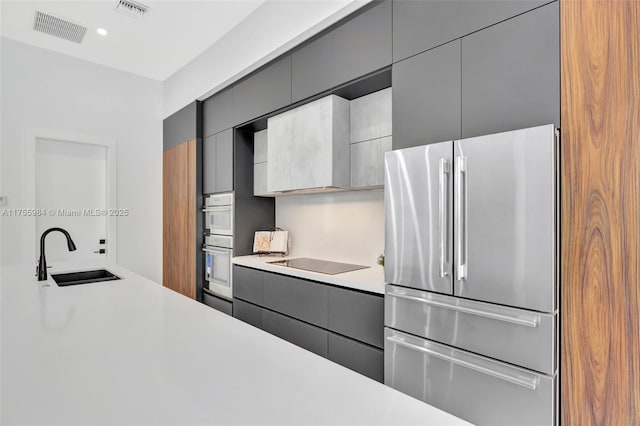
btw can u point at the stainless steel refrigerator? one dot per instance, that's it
(471, 266)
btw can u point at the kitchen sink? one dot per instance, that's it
(84, 277)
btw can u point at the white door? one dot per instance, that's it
(71, 187)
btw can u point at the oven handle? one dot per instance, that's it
(217, 209)
(216, 250)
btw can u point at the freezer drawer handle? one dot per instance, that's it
(533, 322)
(442, 216)
(520, 381)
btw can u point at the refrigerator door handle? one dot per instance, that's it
(442, 216)
(517, 380)
(461, 218)
(527, 322)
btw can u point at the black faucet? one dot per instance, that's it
(42, 263)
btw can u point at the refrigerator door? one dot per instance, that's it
(418, 210)
(480, 390)
(505, 218)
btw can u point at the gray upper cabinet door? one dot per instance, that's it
(295, 297)
(426, 97)
(181, 126)
(354, 48)
(263, 92)
(511, 74)
(422, 25)
(209, 163)
(217, 112)
(224, 161)
(357, 315)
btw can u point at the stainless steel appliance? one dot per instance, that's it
(218, 211)
(218, 244)
(471, 272)
(317, 265)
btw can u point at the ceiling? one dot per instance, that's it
(155, 45)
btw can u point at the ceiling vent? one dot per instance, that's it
(131, 8)
(58, 27)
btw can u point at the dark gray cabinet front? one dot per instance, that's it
(248, 313)
(352, 49)
(295, 297)
(182, 126)
(307, 336)
(217, 153)
(511, 74)
(426, 97)
(357, 315)
(422, 25)
(217, 303)
(247, 284)
(356, 356)
(263, 92)
(217, 112)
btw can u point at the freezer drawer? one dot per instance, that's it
(477, 389)
(516, 336)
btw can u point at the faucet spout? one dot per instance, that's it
(42, 262)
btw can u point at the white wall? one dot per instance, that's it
(272, 29)
(46, 90)
(338, 226)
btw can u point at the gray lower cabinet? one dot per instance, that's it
(511, 74)
(217, 153)
(307, 336)
(422, 25)
(248, 313)
(354, 48)
(263, 92)
(217, 113)
(357, 315)
(359, 357)
(346, 326)
(217, 303)
(426, 97)
(302, 299)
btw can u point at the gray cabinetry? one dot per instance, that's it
(217, 303)
(350, 50)
(357, 315)
(358, 357)
(296, 297)
(263, 92)
(247, 312)
(247, 284)
(511, 74)
(307, 336)
(426, 97)
(217, 112)
(182, 126)
(422, 25)
(217, 151)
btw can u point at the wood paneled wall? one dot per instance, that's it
(600, 296)
(179, 216)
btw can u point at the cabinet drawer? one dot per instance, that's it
(516, 336)
(248, 313)
(297, 332)
(247, 284)
(477, 389)
(356, 356)
(217, 303)
(296, 297)
(357, 315)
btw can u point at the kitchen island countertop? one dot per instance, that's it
(133, 352)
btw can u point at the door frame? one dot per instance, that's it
(32, 135)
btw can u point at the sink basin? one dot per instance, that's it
(84, 277)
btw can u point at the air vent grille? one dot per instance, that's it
(131, 8)
(58, 27)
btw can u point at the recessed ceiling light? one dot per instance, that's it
(102, 31)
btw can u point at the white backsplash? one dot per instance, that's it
(339, 226)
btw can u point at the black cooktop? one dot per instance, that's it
(316, 265)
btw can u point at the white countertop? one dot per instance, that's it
(370, 279)
(133, 352)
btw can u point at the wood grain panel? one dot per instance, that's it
(178, 234)
(600, 297)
